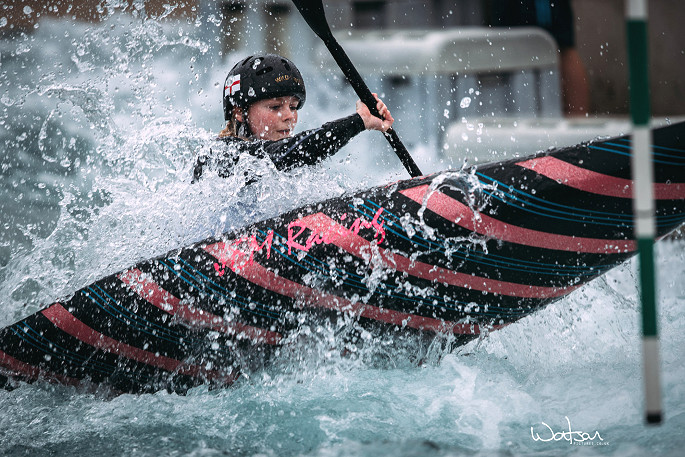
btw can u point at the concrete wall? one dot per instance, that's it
(601, 40)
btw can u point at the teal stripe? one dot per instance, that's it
(639, 71)
(647, 286)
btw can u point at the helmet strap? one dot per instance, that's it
(242, 128)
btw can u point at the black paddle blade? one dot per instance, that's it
(313, 13)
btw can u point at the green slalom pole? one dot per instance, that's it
(643, 201)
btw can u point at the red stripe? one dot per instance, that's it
(360, 247)
(230, 88)
(19, 368)
(263, 277)
(155, 295)
(460, 214)
(64, 320)
(597, 183)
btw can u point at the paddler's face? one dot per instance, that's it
(273, 118)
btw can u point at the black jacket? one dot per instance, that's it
(306, 148)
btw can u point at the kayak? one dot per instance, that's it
(458, 253)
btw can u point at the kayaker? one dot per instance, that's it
(261, 98)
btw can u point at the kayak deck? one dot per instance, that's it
(457, 253)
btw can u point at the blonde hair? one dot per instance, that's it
(231, 129)
(234, 128)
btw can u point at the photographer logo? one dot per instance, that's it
(544, 433)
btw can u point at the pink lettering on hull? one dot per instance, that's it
(330, 233)
(239, 257)
(238, 253)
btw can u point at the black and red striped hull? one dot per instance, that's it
(454, 252)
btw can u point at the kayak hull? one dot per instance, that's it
(456, 253)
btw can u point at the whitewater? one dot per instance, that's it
(99, 128)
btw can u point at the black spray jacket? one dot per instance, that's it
(306, 148)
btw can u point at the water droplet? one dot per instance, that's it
(465, 102)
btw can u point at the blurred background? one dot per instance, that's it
(463, 77)
(269, 24)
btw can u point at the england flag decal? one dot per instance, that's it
(232, 84)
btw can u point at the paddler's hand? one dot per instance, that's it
(371, 122)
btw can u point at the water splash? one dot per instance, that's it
(113, 187)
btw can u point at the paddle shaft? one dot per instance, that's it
(313, 13)
(369, 100)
